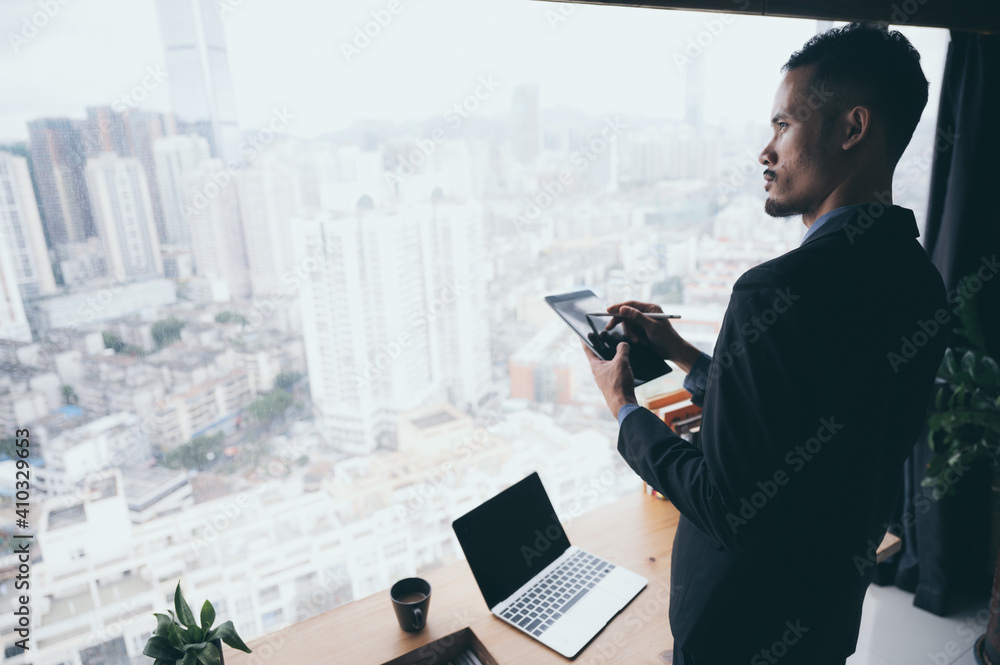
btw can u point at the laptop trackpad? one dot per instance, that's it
(590, 614)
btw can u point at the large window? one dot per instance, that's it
(273, 277)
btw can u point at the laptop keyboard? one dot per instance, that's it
(552, 596)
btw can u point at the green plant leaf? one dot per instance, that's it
(207, 616)
(189, 658)
(194, 635)
(176, 635)
(947, 370)
(989, 372)
(162, 624)
(969, 364)
(159, 647)
(209, 655)
(183, 610)
(227, 633)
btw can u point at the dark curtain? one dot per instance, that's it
(946, 542)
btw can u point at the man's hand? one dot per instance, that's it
(657, 333)
(613, 377)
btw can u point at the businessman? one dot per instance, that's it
(819, 382)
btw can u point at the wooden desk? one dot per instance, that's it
(636, 531)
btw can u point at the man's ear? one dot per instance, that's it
(857, 126)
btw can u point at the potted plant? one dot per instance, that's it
(179, 640)
(964, 426)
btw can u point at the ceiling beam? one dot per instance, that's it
(968, 15)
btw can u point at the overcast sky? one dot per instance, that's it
(289, 54)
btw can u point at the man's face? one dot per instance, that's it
(799, 160)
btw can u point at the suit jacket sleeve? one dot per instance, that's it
(759, 372)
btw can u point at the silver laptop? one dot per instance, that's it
(532, 578)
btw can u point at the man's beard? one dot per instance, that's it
(776, 209)
(783, 209)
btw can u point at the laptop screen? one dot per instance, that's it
(510, 538)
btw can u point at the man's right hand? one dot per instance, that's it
(657, 333)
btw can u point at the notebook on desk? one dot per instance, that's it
(532, 578)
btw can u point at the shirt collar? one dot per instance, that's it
(836, 212)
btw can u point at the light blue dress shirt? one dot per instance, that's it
(697, 378)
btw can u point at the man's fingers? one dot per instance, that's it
(591, 356)
(621, 353)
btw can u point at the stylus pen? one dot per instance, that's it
(652, 316)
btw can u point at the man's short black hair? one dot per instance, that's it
(869, 65)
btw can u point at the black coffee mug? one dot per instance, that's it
(411, 598)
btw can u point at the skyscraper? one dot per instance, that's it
(268, 201)
(123, 214)
(212, 210)
(173, 156)
(59, 157)
(201, 89)
(457, 298)
(21, 226)
(415, 279)
(144, 129)
(364, 369)
(13, 322)
(129, 133)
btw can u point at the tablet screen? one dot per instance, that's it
(574, 308)
(575, 313)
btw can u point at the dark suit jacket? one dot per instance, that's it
(818, 387)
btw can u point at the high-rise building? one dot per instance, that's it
(211, 207)
(144, 129)
(457, 302)
(103, 131)
(268, 201)
(420, 334)
(124, 217)
(129, 133)
(526, 119)
(21, 226)
(174, 156)
(362, 369)
(201, 88)
(13, 321)
(59, 156)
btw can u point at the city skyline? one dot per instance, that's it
(334, 347)
(565, 51)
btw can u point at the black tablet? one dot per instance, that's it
(574, 308)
